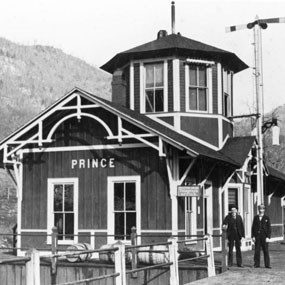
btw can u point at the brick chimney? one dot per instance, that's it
(119, 88)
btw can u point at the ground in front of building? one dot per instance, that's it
(250, 275)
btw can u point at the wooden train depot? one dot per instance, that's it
(161, 156)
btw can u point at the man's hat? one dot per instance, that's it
(261, 206)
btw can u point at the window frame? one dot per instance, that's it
(208, 69)
(111, 212)
(227, 93)
(50, 208)
(143, 88)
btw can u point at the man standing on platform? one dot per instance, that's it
(235, 233)
(261, 233)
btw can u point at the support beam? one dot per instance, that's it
(187, 171)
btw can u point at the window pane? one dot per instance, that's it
(202, 77)
(193, 98)
(69, 225)
(119, 225)
(159, 75)
(158, 100)
(149, 81)
(58, 222)
(68, 197)
(149, 107)
(193, 76)
(202, 100)
(57, 200)
(130, 196)
(119, 196)
(131, 222)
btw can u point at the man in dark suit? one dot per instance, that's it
(235, 232)
(261, 233)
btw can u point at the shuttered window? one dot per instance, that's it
(233, 196)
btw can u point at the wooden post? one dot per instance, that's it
(224, 251)
(33, 267)
(210, 259)
(54, 239)
(120, 264)
(173, 257)
(134, 251)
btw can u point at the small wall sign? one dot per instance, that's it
(189, 191)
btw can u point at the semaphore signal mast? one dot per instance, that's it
(258, 25)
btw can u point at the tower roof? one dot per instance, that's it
(176, 45)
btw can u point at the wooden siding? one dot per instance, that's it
(227, 129)
(215, 88)
(137, 86)
(155, 200)
(169, 120)
(170, 85)
(182, 86)
(67, 272)
(205, 129)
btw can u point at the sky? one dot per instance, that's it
(97, 30)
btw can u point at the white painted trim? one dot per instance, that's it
(176, 85)
(220, 132)
(154, 59)
(276, 225)
(76, 115)
(50, 217)
(79, 148)
(156, 231)
(210, 89)
(110, 207)
(187, 82)
(190, 114)
(142, 84)
(165, 86)
(34, 230)
(93, 231)
(209, 196)
(132, 93)
(220, 96)
(19, 204)
(199, 61)
(276, 239)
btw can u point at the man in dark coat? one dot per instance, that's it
(261, 233)
(235, 232)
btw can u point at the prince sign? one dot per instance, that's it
(189, 191)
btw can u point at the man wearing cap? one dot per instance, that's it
(260, 233)
(235, 233)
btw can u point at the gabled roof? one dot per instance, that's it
(238, 148)
(175, 45)
(142, 121)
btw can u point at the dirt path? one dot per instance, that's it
(250, 275)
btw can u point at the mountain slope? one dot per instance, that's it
(33, 77)
(274, 155)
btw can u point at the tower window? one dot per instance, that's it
(198, 89)
(154, 88)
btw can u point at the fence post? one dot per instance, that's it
(224, 251)
(134, 251)
(173, 257)
(33, 267)
(210, 259)
(120, 264)
(54, 239)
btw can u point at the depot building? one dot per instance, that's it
(160, 156)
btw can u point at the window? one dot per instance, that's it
(63, 209)
(198, 90)
(123, 207)
(227, 93)
(154, 87)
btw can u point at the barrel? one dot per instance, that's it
(151, 254)
(107, 256)
(80, 257)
